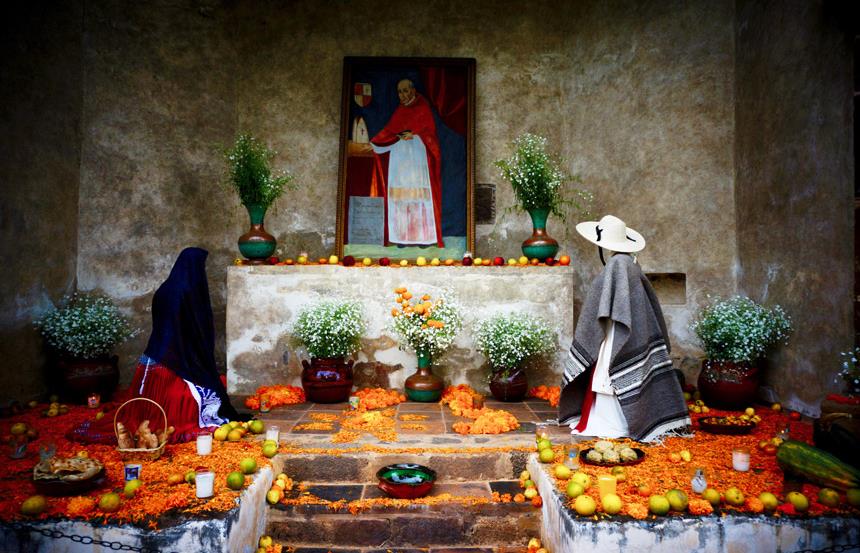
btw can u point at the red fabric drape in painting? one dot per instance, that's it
(446, 90)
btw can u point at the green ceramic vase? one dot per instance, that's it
(539, 245)
(257, 245)
(424, 386)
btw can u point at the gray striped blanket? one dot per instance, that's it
(640, 371)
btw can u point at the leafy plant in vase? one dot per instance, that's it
(428, 327)
(539, 182)
(850, 371)
(250, 175)
(83, 332)
(330, 331)
(736, 334)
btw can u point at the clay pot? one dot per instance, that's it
(539, 245)
(509, 386)
(257, 245)
(327, 380)
(728, 384)
(424, 386)
(81, 377)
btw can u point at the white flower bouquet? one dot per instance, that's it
(331, 328)
(87, 326)
(740, 330)
(508, 341)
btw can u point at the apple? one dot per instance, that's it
(435, 262)
(367, 262)
(486, 262)
(512, 262)
(550, 261)
(332, 259)
(564, 260)
(498, 261)
(421, 261)
(467, 261)
(348, 261)
(289, 261)
(404, 263)
(478, 261)
(534, 261)
(302, 259)
(322, 261)
(449, 262)
(273, 260)
(523, 260)
(384, 261)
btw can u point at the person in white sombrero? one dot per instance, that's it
(618, 379)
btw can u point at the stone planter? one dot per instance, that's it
(424, 386)
(81, 377)
(728, 384)
(509, 385)
(327, 380)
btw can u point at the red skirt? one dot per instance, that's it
(162, 386)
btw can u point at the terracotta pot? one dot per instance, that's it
(424, 386)
(728, 384)
(509, 387)
(81, 377)
(257, 245)
(539, 245)
(327, 380)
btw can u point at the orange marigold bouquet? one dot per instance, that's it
(276, 396)
(463, 401)
(490, 421)
(378, 398)
(547, 393)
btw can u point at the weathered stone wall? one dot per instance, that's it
(794, 185)
(39, 158)
(159, 104)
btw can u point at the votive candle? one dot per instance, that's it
(541, 431)
(204, 444)
(205, 482)
(273, 433)
(741, 459)
(94, 400)
(606, 484)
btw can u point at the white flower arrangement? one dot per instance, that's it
(86, 326)
(331, 328)
(850, 371)
(427, 326)
(740, 330)
(507, 341)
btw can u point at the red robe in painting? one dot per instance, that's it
(417, 117)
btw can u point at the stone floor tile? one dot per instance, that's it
(461, 550)
(325, 550)
(334, 492)
(436, 427)
(506, 486)
(335, 427)
(430, 416)
(411, 407)
(463, 489)
(330, 406)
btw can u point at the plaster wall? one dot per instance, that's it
(794, 190)
(39, 172)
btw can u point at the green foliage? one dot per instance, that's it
(331, 328)
(739, 329)
(87, 326)
(507, 341)
(538, 179)
(249, 173)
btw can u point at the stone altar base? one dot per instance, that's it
(264, 301)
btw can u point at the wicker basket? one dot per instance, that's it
(140, 453)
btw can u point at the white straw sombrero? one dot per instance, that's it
(612, 234)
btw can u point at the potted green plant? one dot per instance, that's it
(329, 330)
(428, 327)
(509, 342)
(850, 371)
(539, 183)
(82, 332)
(736, 333)
(250, 175)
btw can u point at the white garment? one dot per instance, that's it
(409, 195)
(606, 419)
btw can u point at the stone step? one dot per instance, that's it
(446, 524)
(443, 549)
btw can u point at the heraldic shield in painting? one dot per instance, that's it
(406, 158)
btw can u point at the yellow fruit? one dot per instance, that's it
(421, 261)
(776, 407)
(574, 489)
(220, 434)
(584, 505)
(435, 262)
(543, 443)
(528, 484)
(34, 505)
(512, 261)
(749, 411)
(769, 501)
(800, 502)
(530, 493)
(404, 263)
(270, 450)
(706, 409)
(523, 260)
(191, 477)
(18, 428)
(620, 473)
(686, 456)
(367, 262)
(611, 504)
(734, 497)
(234, 424)
(273, 496)
(829, 497)
(265, 541)
(99, 415)
(131, 487)
(234, 435)
(83, 454)
(712, 496)
(332, 260)
(109, 502)
(524, 475)
(248, 465)
(174, 479)
(534, 544)
(677, 500)
(257, 426)
(282, 476)
(546, 455)
(582, 479)
(235, 480)
(853, 497)
(658, 505)
(562, 472)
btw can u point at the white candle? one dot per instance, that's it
(741, 459)
(273, 433)
(205, 481)
(204, 444)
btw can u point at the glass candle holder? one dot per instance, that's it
(606, 484)
(354, 401)
(541, 431)
(204, 444)
(273, 432)
(94, 400)
(741, 459)
(571, 454)
(698, 483)
(205, 482)
(264, 403)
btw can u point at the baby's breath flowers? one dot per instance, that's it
(850, 371)
(507, 341)
(425, 325)
(331, 328)
(538, 178)
(86, 326)
(740, 330)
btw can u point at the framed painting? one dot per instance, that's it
(407, 158)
